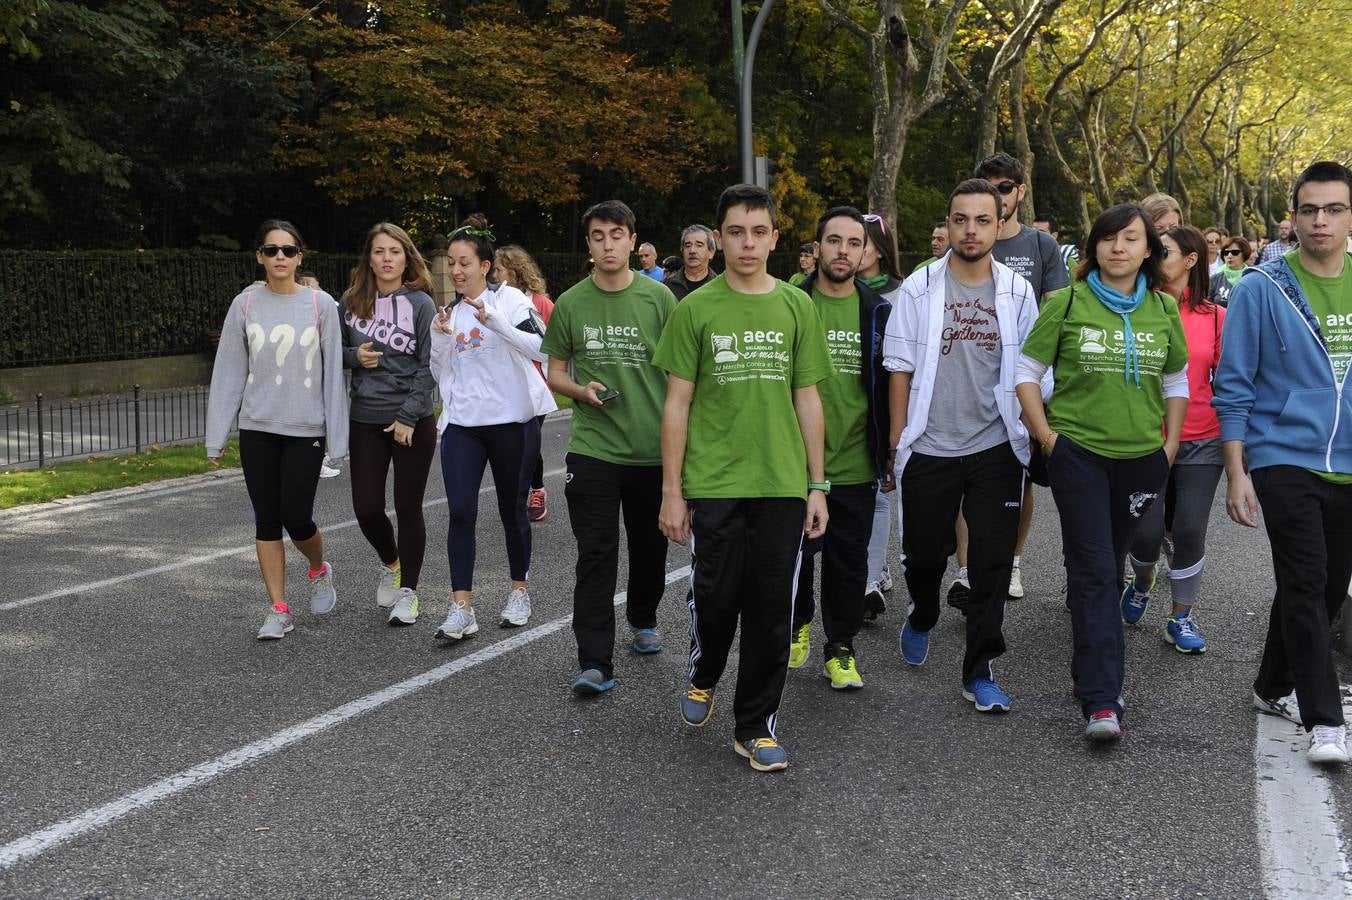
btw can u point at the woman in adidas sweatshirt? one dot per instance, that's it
(279, 367)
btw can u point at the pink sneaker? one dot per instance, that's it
(535, 504)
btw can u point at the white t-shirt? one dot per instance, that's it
(489, 387)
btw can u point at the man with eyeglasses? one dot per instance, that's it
(1286, 423)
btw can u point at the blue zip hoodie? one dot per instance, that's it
(1274, 387)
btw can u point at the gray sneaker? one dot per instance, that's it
(1286, 707)
(517, 611)
(460, 623)
(275, 626)
(646, 640)
(387, 590)
(323, 598)
(405, 610)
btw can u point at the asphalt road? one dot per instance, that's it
(377, 763)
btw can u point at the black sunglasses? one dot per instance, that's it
(1006, 187)
(1233, 251)
(288, 250)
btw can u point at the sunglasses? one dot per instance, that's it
(1006, 187)
(1233, 251)
(290, 251)
(877, 220)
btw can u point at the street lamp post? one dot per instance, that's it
(750, 175)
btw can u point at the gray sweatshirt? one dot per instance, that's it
(280, 367)
(401, 386)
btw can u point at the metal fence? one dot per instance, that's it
(45, 431)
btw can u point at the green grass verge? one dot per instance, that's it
(105, 473)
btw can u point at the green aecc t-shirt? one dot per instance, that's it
(1092, 402)
(1331, 302)
(844, 399)
(746, 354)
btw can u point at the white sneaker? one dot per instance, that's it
(460, 623)
(323, 597)
(387, 591)
(328, 471)
(1328, 744)
(517, 611)
(405, 610)
(1016, 584)
(1286, 707)
(885, 579)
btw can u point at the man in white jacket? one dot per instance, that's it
(952, 344)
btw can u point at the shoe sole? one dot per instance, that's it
(647, 651)
(844, 686)
(1103, 735)
(276, 637)
(991, 707)
(1196, 651)
(400, 621)
(449, 636)
(540, 518)
(1325, 758)
(591, 688)
(324, 612)
(759, 767)
(508, 623)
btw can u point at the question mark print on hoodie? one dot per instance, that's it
(284, 336)
(309, 338)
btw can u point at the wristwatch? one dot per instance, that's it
(823, 486)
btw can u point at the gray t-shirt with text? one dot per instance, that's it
(1034, 255)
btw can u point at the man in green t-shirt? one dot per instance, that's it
(600, 345)
(742, 470)
(1280, 392)
(854, 402)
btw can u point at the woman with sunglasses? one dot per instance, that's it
(1110, 431)
(1235, 253)
(387, 340)
(879, 270)
(484, 346)
(279, 368)
(1191, 487)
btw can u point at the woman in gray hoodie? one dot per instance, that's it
(279, 367)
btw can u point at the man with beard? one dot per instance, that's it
(697, 251)
(952, 345)
(855, 403)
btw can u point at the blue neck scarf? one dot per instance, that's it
(1124, 306)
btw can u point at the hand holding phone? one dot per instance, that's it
(607, 396)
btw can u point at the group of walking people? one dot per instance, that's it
(763, 424)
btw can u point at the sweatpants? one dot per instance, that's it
(988, 486)
(1189, 495)
(372, 449)
(598, 494)
(1101, 502)
(510, 450)
(844, 552)
(1309, 526)
(744, 557)
(281, 473)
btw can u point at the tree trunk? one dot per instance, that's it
(1018, 122)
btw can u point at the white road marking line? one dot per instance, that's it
(39, 842)
(196, 560)
(1298, 842)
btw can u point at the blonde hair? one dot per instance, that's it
(1157, 205)
(360, 296)
(527, 273)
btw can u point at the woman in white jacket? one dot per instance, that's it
(484, 344)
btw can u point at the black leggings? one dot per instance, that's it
(281, 473)
(372, 449)
(537, 478)
(511, 450)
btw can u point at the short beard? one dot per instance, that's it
(957, 251)
(831, 276)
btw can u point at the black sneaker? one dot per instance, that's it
(960, 595)
(875, 604)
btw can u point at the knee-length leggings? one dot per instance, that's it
(281, 473)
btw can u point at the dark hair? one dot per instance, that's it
(1190, 240)
(1324, 170)
(976, 186)
(1052, 225)
(747, 195)
(806, 248)
(880, 237)
(942, 223)
(1001, 165)
(615, 212)
(840, 212)
(475, 233)
(1109, 223)
(1242, 241)
(278, 225)
(672, 263)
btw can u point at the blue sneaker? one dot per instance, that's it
(765, 754)
(914, 645)
(697, 705)
(1181, 631)
(986, 694)
(646, 640)
(591, 681)
(1135, 601)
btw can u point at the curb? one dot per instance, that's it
(169, 485)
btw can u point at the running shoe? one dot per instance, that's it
(328, 471)
(1135, 600)
(914, 645)
(387, 589)
(517, 611)
(1181, 631)
(323, 597)
(875, 604)
(1328, 744)
(1287, 707)
(405, 611)
(646, 640)
(799, 646)
(960, 594)
(1016, 583)
(841, 668)
(986, 695)
(460, 623)
(1103, 726)
(275, 626)
(885, 579)
(535, 504)
(764, 754)
(592, 681)
(697, 705)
